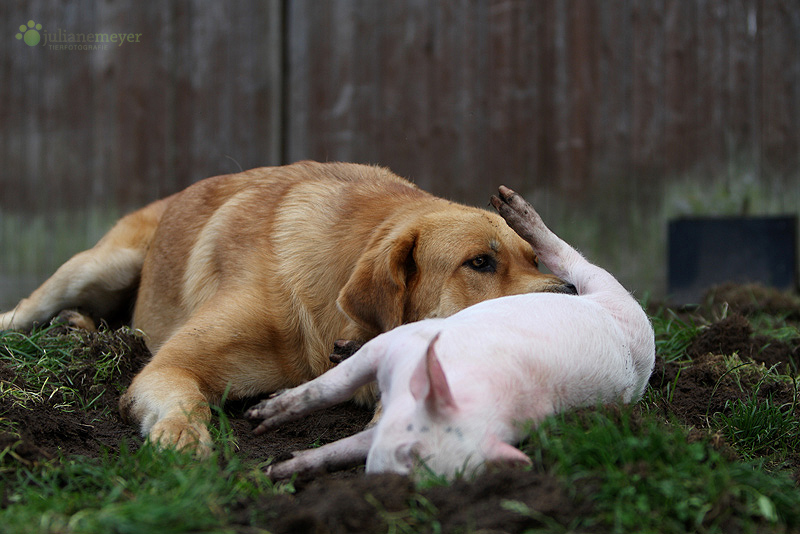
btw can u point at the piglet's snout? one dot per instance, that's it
(406, 454)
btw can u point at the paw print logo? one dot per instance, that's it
(30, 33)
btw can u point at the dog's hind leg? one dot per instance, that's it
(96, 280)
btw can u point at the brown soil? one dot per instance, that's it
(705, 386)
(352, 502)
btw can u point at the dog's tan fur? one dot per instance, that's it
(242, 280)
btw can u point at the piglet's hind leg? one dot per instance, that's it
(563, 260)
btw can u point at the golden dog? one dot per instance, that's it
(243, 282)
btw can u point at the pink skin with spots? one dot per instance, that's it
(455, 391)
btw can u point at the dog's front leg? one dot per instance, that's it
(332, 387)
(347, 452)
(168, 404)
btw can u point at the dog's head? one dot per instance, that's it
(437, 263)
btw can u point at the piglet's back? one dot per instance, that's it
(565, 347)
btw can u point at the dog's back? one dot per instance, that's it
(271, 231)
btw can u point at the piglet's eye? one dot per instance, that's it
(482, 264)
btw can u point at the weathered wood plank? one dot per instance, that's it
(741, 87)
(517, 132)
(226, 87)
(779, 32)
(649, 117)
(612, 108)
(573, 99)
(681, 96)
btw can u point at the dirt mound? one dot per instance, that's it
(714, 379)
(734, 335)
(747, 299)
(52, 423)
(21, 451)
(372, 503)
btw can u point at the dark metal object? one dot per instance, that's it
(712, 250)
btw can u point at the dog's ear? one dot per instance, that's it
(374, 296)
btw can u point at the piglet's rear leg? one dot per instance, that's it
(564, 261)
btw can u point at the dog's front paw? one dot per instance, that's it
(182, 434)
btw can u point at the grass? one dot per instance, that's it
(674, 334)
(54, 367)
(760, 427)
(125, 491)
(645, 476)
(419, 516)
(143, 491)
(640, 469)
(37, 361)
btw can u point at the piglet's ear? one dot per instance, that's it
(499, 453)
(429, 384)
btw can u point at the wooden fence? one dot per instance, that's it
(597, 106)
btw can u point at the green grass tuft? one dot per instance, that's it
(51, 368)
(760, 427)
(644, 476)
(673, 334)
(149, 490)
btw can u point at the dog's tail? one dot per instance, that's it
(100, 281)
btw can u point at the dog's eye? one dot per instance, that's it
(483, 264)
